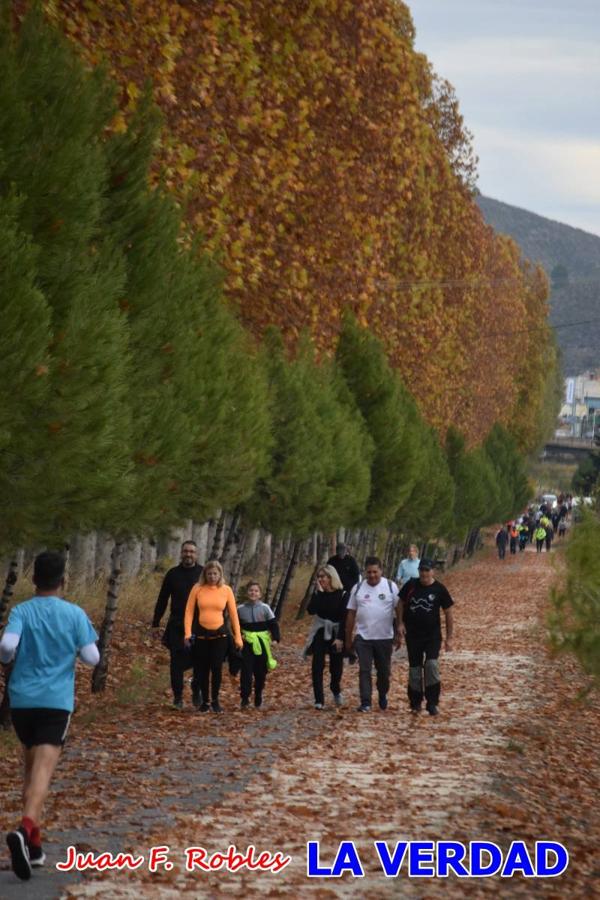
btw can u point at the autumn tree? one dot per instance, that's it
(322, 158)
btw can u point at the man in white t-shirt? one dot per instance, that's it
(373, 609)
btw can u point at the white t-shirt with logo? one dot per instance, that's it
(375, 608)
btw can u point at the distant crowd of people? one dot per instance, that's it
(538, 526)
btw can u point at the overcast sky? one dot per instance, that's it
(527, 74)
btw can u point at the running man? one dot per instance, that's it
(44, 636)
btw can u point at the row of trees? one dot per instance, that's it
(326, 163)
(587, 474)
(134, 398)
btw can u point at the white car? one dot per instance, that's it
(550, 500)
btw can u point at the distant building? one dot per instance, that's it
(580, 412)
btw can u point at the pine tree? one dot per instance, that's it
(428, 512)
(289, 498)
(24, 368)
(511, 475)
(199, 396)
(352, 452)
(145, 225)
(391, 417)
(476, 497)
(51, 140)
(231, 405)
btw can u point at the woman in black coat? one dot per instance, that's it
(326, 638)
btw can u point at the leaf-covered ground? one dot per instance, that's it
(512, 756)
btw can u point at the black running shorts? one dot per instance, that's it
(41, 726)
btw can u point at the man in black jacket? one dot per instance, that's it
(346, 567)
(423, 599)
(177, 585)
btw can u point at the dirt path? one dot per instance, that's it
(491, 766)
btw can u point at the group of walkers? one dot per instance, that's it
(536, 526)
(354, 617)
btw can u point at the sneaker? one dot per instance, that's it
(204, 707)
(19, 854)
(432, 709)
(245, 703)
(319, 705)
(178, 703)
(415, 709)
(383, 703)
(37, 857)
(216, 707)
(364, 707)
(338, 699)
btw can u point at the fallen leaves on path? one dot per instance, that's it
(512, 756)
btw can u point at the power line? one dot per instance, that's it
(468, 283)
(544, 327)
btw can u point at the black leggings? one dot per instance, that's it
(320, 649)
(253, 666)
(180, 661)
(209, 656)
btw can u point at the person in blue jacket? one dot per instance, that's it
(44, 636)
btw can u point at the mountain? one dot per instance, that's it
(571, 258)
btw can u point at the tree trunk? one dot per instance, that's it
(238, 561)
(233, 535)
(83, 556)
(215, 552)
(361, 547)
(387, 553)
(67, 558)
(5, 600)
(284, 567)
(168, 546)
(322, 555)
(252, 548)
(131, 558)
(9, 583)
(104, 550)
(200, 535)
(290, 569)
(148, 555)
(263, 558)
(100, 673)
(271, 575)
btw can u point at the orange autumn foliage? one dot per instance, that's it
(328, 168)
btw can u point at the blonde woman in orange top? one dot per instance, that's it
(204, 619)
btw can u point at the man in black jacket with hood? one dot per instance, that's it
(346, 567)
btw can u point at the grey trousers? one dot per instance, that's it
(369, 652)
